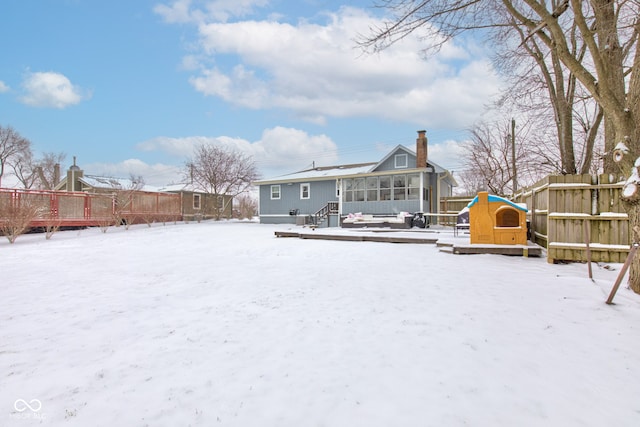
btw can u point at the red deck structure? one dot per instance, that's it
(79, 209)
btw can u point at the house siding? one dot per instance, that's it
(390, 163)
(436, 183)
(208, 206)
(276, 211)
(387, 207)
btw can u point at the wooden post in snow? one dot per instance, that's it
(624, 269)
(587, 238)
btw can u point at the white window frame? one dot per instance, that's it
(279, 189)
(197, 205)
(302, 191)
(402, 164)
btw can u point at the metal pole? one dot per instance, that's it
(513, 155)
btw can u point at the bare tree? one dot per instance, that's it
(543, 87)
(610, 30)
(247, 206)
(43, 173)
(219, 170)
(48, 169)
(16, 214)
(488, 158)
(12, 146)
(22, 165)
(124, 197)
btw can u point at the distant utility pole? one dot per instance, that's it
(513, 155)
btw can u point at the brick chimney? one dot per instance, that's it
(421, 149)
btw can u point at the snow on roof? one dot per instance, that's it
(180, 187)
(348, 170)
(324, 172)
(497, 199)
(113, 183)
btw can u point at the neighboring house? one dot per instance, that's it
(197, 205)
(76, 180)
(402, 181)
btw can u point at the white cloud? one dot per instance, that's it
(184, 11)
(279, 150)
(315, 71)
(178, 12)
(3, 87)
(49, 89)
(448, 154)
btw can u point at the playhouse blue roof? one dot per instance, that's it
(498, 199)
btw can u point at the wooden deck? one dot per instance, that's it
(445, 245)
(531, 250)
(357, 237)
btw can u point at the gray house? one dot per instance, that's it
(403, 181)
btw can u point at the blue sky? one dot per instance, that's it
(131, 86)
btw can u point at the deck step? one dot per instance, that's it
(440, 244)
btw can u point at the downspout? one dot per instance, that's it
(422, 191)
(339, 186)
(441, 176)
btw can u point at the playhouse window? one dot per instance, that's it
(275, 192)
(507, 218)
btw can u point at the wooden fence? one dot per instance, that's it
(62, 208)
(452, 206)
(567, 210)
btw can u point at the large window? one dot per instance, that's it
(372, 189)
(305, 191)
(382, 188)
(348, 190)
(399, 187)
(385, 187)
(414, 186)
(275, 192)
(358, 190)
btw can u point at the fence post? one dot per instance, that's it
(624, 269)
(587, 238)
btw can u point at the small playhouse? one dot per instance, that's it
(496, 220)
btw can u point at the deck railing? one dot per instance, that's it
(64, 208)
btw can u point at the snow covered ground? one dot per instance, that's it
(221, 323)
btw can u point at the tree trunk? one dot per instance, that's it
(633, 209)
